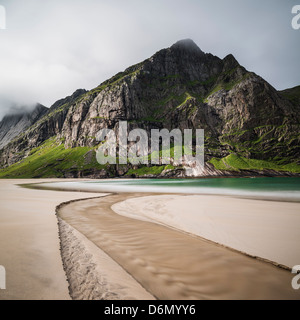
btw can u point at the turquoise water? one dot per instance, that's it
(263, 184)
(268, 188)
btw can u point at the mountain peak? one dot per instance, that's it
(230, 61)
(186, 44)
(68, 99)
(24, 110)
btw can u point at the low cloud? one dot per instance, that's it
(53, 47)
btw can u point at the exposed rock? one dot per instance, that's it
(178, 87)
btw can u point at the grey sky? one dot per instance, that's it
(52, 47)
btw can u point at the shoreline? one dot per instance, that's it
(92, 187)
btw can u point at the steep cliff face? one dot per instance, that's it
(179, 87)
(45, 127)
(13, 124)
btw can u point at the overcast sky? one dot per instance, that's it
(50, 48)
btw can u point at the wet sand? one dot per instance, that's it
(92, 274)
(171, 264)
(267, 229)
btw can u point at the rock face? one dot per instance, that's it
(12, 125)
(178, 87)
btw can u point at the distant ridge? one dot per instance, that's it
(17, 122)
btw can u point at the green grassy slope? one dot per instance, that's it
(235, 163)
(51, 159)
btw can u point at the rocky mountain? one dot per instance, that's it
(250, 128)
(293, 95)
(13, 124)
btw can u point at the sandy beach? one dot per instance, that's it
(29, 240)
(144, 246)
(30, 246)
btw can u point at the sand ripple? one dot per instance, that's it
(171, 264)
